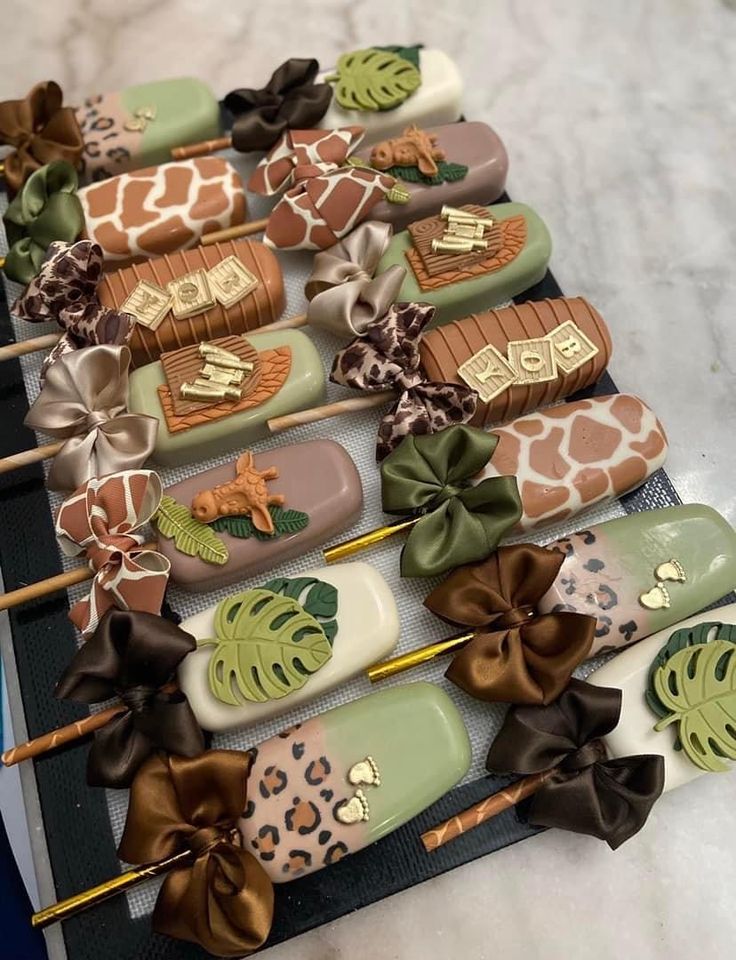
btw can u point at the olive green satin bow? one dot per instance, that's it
(46, 209)
(459, 522)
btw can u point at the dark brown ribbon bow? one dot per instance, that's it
(607, 799)
(386, 357)
(41, 130)
(133, 656)
(223, 898)
(290, 100)
(516, 655)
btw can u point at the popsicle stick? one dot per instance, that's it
(45, 587)
(12, 350)
(232, 233)
(327, 410)
(288, 323)
(484, 810)
(61, 736)
(342, 551)
(35, 455)
(65, 909)
(2, 262)
(201, 149)
(415, 658)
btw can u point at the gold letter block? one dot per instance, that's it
(572, 347)
(488, 372)
(148, 303)
(230, 281)
(191, 293)
(533, 360)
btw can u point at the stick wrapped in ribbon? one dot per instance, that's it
(509, 652)
(570, 781)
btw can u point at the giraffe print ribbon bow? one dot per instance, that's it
(322, 198)
(387, 357)
(101, 519)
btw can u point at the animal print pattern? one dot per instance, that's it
(569, 457)
(146, 213)
(593, 580)
(301, 153)
(387, 358)
(295, 787)
(109, 149)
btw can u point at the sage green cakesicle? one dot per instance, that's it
(343, 780)
(460, 297)
(303, 388)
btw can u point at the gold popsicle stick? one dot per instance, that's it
(341, 551)
(415, 658)
(232, 233)
(103, 891)
(2, 262)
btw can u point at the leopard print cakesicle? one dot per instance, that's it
(331, 786)
(642, 573)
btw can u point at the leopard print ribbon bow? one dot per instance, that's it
(100, 520)
(323, 199)
(387, 357)
(65, 291)
(41, 130)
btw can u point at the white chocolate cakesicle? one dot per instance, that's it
(331, 786)
(287, 376)
(437, 100)
(356, 600)
(635, 732)
(147, 213)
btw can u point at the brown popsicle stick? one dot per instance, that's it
(12, 350)
(60, 736)
(327, 410)
(22, 459)
(201, 149)
(288, 323)
(45, 587)
(484, 810)
(232, 233)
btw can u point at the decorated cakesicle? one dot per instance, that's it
(284, 641)
(461, 490)
(505, 363)
(108, 133)
(296, 803)
(529, 615)
(651, 719)
(234, 521)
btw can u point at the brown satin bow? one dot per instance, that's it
(344, 296)
(516, 655)
(222, 899)
(607, 799)
(41, 130)
(133, 656)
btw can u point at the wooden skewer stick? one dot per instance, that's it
(89, 898)
(288, 323)
(232, 233)
(35, 455)
(484, 810)
(327, 410)
(61, 736)
(60, 582)
(201, 149)
(22, 347)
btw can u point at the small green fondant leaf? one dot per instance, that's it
(191, 537)
(697, 688)
(289, 521)
(284, 522)
(240, 527)
(374, 79)
(446, 172)
(321, 601)
(408, 53)
(267, 647)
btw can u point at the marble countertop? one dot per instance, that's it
(620, 122)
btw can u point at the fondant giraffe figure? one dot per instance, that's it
(247, 494)
(569, 457)
(146, 213)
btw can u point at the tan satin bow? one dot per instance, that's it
(345, 298)
(41, 130)
(84, 401)
(222, 899)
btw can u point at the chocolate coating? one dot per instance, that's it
(263, 305)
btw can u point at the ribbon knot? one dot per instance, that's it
(587, 793)
(222, 899)
(41, 130)
(323, 199)
(83, 401)
(387, 357)
(516, 655)
(133, 656)
(100, 519)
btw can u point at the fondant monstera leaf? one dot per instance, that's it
(373, 79)
(191, 537)
(317, 597)
(697, 686)
(267, 645)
